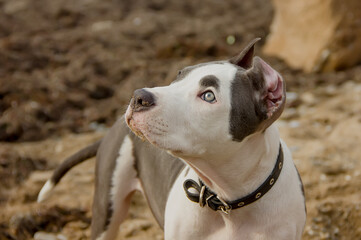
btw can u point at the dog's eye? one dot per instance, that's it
(179, 73)
(208, 97)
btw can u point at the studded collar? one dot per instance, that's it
(205, 196)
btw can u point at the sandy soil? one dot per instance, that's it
(67, 71)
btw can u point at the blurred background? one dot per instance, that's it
(68, 70)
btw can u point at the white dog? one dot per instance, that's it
(216, 167)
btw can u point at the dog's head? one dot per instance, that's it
(210, 107)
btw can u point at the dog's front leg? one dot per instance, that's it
(115, 182)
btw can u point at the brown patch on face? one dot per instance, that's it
(250, 102)
(209, 81)
(246, 111)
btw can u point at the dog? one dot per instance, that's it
(206, 155)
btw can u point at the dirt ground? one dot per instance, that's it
(68, 69)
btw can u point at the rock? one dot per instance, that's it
(12, 7)
(318, 35)
(289, 113)
(45, 236)
(40, 176)
(101, 26)
(48, 236)
(76, 230)
(294, 124)
(134, 226)
(308, 98)
(333, 170)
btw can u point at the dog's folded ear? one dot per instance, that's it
(274, 91)
(245, 58)
(255, 76)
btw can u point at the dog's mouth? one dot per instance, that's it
(130, 122)
(152, 131)
(138, 131)
(135, 130)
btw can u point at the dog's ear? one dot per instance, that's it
(273, 89)
(245, 58)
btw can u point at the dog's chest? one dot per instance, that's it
(187, 220)
(265, 219)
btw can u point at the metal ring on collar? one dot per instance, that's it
(225, 208)
(201, 194)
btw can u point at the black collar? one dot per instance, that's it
(209, 198)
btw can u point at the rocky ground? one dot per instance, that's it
(67, 71)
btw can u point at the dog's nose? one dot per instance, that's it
(142, 100)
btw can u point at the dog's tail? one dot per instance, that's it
(73, 160)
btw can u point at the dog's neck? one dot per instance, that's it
(244, 169)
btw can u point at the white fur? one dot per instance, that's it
(270, 218)
(45, 191)
(124, 183)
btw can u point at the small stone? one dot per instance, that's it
(324, 235)
(326, 208)
(40, 176)
(323, 177)
(137, 21)
(134, 226)
(49, 236)
(294, 124)
(61, 237)
(308, 98)
(97, 126)
(76, 225)
(12, 7)
(293, 99)
(101, 26)
(317, 219)
(328, 128)
(290, 113)
(310, 232)
(331, 90)
(294, 149)
(59, 147)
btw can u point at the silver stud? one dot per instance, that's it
(258, 195)
(272, 181)
(280, 165)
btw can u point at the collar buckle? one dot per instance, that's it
(204, 196)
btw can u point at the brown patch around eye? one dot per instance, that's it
(209, 81)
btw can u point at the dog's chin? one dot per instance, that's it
(142, 134)
(136, 131)
(159, 143)
(142, 131)
(185, 153)
(154, 140)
